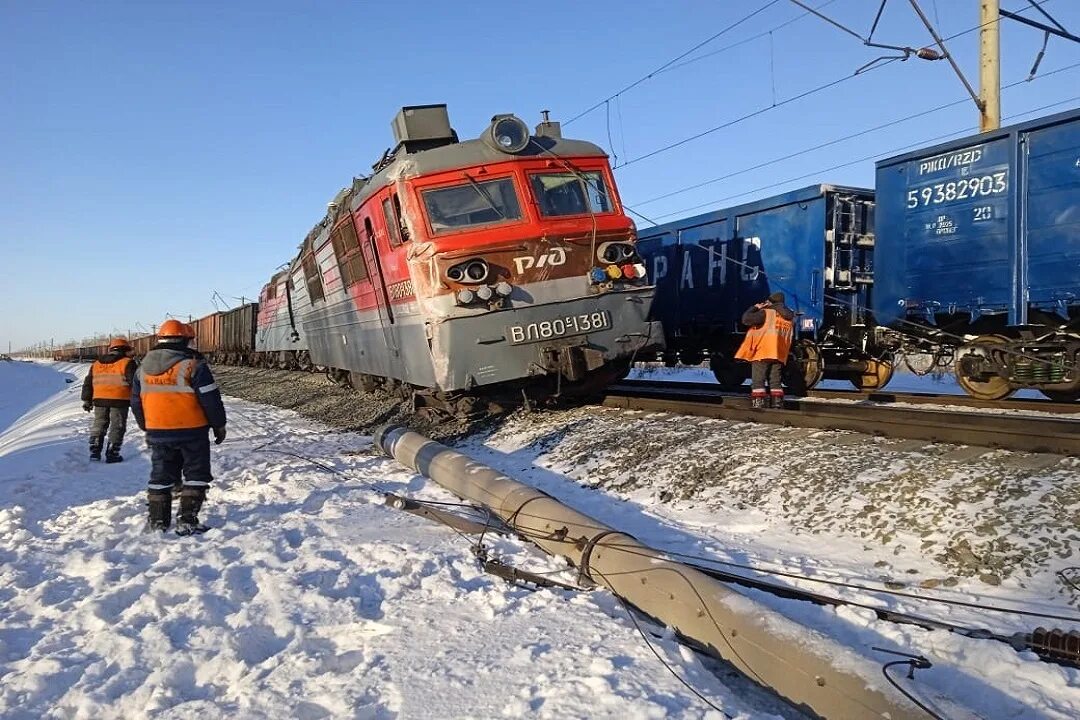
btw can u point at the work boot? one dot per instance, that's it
(95, 449)
(191, 500)
(160, 504)
(112, 454)
(776, 399)
(758, 399)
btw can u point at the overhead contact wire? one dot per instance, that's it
(674, 60)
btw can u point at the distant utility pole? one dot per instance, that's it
(989, 65)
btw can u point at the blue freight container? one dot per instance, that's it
(815, 245)
(980, 237)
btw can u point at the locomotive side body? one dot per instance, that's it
(981, 238)
(815, 244)
(279, 338)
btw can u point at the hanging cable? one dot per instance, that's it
(836, 141)
(866, 158)
(914, 662)
(742, 118)
(760, 111)
(701, 44)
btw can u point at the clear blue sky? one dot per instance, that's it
(154, 152)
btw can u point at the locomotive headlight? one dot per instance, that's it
(615, 253)
(465, 296)
(476, 271)
(484, 293)
(507, 133)
(470, 271)
(504, 289)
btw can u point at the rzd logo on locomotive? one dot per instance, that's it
(555, 256)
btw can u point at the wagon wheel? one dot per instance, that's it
(730, 374)
(805, 367)
(996, 388)
(1062, 396)
(878, 373)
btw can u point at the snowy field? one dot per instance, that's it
(311, 599)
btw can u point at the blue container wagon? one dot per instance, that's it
(815, 244)
(978, 251)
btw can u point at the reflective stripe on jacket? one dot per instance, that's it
(110, 380)
(769, 341)
(169, 400)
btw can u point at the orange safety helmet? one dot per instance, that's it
(118, 343)
(174, 328)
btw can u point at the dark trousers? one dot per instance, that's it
(112, 420)
(179, 462)
(760, 370)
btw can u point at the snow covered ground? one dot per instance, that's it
(311, 599)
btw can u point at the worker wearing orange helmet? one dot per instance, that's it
(107, 392)
(177, 404)
(766, 347)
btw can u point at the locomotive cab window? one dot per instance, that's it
(472, 203)
(570, 193)
(399, 232)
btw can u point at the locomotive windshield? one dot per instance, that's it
(570, 194)
(472, 203)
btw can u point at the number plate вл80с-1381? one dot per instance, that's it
(559, 327)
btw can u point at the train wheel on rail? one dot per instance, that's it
(303, 361)
(729, 373)
(805, 367)
(1062, 396)
(995, 388)
(877, 374)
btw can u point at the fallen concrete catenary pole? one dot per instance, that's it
(802, 665)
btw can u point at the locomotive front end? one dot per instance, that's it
(531, 274)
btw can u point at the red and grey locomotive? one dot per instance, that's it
(500, 263)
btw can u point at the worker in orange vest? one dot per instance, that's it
(766, 348)
(107, 392)
(177, 403)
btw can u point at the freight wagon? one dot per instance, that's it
(207, 333)
(237, 343)
(978, 251)
(816, 245)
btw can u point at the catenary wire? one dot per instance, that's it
(764, 109)
(865, 158)
(701, 44)
(754, 113)
(908, 695)
(629, 613)
(845, 138)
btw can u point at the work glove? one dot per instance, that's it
(219, 435)
(88, 406)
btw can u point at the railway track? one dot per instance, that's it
(888, 396)
(1024, 432)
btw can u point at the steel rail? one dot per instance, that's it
(1027, 433)
(890, 396)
